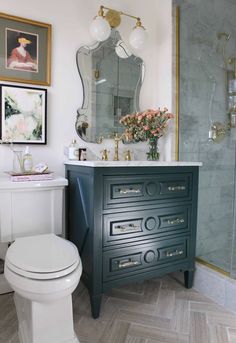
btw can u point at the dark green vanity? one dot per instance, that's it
(132, 222)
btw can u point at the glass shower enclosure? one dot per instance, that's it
(207, 121)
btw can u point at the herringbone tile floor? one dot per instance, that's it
(155, 311)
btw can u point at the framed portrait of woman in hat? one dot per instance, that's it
(25, 50)
(22, 51)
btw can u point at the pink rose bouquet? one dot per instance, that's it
(146, 125)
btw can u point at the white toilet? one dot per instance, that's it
(43, 271)
(42, 268)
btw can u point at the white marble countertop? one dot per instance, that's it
(133, 163)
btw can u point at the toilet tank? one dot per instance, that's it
(31, 208)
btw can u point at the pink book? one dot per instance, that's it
(31, 177)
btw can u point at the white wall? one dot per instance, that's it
(70, 29)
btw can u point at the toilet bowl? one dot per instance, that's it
(43, 271)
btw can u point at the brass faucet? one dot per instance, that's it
(127, 155)
(105, 153)
(117, 138)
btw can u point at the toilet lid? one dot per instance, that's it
(42, 257)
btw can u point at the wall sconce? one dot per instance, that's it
(101, 25)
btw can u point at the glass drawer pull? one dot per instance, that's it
(175, 221)
(176, 188)
(124, 228)
(129, 190)
(174, 253)
(126, 264)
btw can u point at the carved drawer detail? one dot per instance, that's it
(145, 256)
(129, 190)
(145, 224)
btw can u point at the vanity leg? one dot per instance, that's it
(95, 301)
(188, 278)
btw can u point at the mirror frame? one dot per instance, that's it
(86, 85)
(175, 75)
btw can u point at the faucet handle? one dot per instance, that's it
(105, 153)
(127, 155)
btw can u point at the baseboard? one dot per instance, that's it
(216, 286)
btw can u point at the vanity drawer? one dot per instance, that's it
(144, 257)
(126, 190)
(128, 226)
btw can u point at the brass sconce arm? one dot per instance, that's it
(109, 18)
(113, 16)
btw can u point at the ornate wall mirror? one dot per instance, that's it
(111, 77)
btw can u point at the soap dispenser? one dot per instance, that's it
(73, 151)
(27, 161)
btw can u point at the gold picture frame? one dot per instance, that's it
(25, 50)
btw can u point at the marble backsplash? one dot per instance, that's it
(138, 150)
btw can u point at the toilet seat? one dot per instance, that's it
(42, 257)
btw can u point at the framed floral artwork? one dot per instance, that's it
(25, 50)
(23, 114)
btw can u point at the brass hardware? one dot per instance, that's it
(105, 153)
(127, 155)
(174, 253)
(176, 188)
(211, 266)
(127, 263)
(96, 74)
(177, 79)
(129, 190)
(175, 221)
(101, 11)
(114, 17)
(117, 138)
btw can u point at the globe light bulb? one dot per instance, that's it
(138, 38)
(100, 29)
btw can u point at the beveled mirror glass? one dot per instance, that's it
(111, 77)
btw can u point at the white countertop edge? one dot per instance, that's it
(57, 181)
(133, 163)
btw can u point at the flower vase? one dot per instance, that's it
(153, 153)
